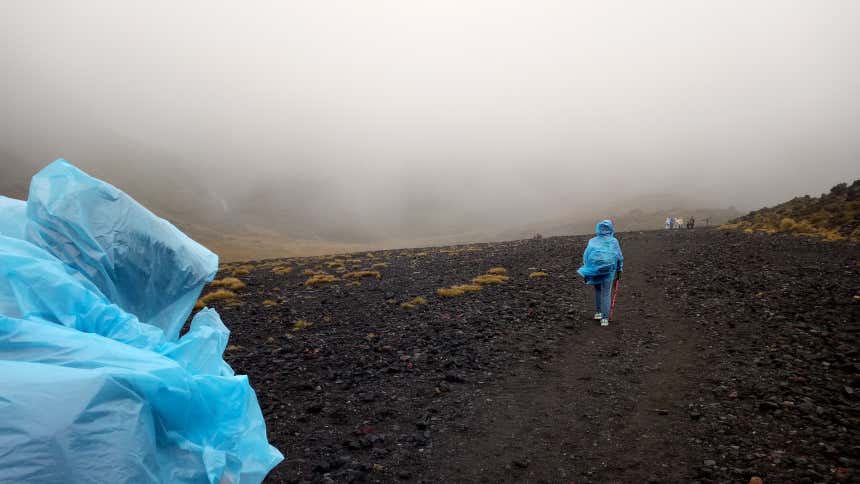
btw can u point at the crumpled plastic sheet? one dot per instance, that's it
(97, 385)
(12, 217)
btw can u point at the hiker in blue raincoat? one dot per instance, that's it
(601, 262)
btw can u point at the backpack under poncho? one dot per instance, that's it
(602, 256)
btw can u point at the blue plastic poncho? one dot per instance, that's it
(12, 217)
(96, 384)
(602, 257)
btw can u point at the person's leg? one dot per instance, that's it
(597, 299)
(606, 297)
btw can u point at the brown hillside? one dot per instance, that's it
(833, 216)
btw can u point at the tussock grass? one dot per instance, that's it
(313, 272)
(228, 282)
(283, 270)
(449, 292)
(353, 283)
(469, 287)
(320, 279)
(270, 302)
(497, 270)
(421, 254)
(788, 224)
(538, 275)
(334, 264)
(415, 302)
(360, 274)
(379, 265)
(217, 295)
(484, 279)
(301, 324)
(457, 290)
(243, 270)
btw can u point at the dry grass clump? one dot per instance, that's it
(490, 279)
(421, 254)
(497, 270)
(469, 287)
(218, 295)
(228, 282)
(805, 227)
(337, 264)
(360, 274)
(449, 292)
(457, 290)
(320, 279)
(418, 301)
(283, 270)
(353, 283)
(302, 324)
(538, 274)
(270, 302)
(243, 270)
(379, 265)
(788, 224)
(312, 272)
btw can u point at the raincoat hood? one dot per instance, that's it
(605, 227)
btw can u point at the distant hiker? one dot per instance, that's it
(668, 222)
(679, 223)
(692, 223)
(601, 262)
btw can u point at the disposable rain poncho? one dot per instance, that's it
(602, 257)
(96, 384)
(12, 217)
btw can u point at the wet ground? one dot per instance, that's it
(731, 356)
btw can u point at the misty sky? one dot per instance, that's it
(485, 110)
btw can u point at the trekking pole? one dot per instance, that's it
(614, 295)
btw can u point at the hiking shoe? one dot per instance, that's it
(604, 322)
(598, 315)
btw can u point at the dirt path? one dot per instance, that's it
(737, 359)
(611, 409)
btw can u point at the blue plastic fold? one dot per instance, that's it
(96, 385)
(139, 261)
(13, 217)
